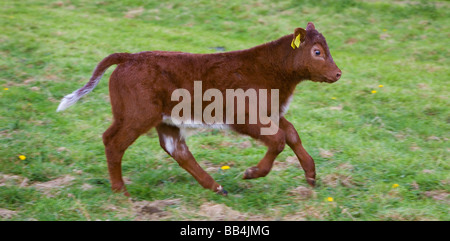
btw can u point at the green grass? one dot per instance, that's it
(398, 135)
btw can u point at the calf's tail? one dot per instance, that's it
(112, 59)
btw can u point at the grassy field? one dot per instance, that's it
(379, 136)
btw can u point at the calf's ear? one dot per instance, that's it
(310, 26)
(298, 37)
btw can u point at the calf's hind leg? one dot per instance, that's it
(174, 144)
(117, 138)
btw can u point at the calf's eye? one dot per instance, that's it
(317, 52)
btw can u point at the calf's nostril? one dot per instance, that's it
(338, 75)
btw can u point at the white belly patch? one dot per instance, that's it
(188, 129)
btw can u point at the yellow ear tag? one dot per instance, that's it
(297, 41)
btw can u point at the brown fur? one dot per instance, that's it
(142, 84)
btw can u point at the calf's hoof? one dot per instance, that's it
(311, 181)
(124, 192)
(120, 189)
(251, 173)
(221, 191)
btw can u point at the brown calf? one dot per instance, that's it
(142, 86)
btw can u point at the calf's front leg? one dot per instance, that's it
(275, 145)
(294, 142)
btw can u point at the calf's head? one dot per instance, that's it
(312, 58)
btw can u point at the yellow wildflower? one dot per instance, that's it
(225, 167)
(5, 88)
(374, 91)
(381, 86)
(333, 98)
(22, 157)
(395, 185)
(330, 199)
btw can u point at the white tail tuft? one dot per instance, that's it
(67, 101)
(71, 99)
